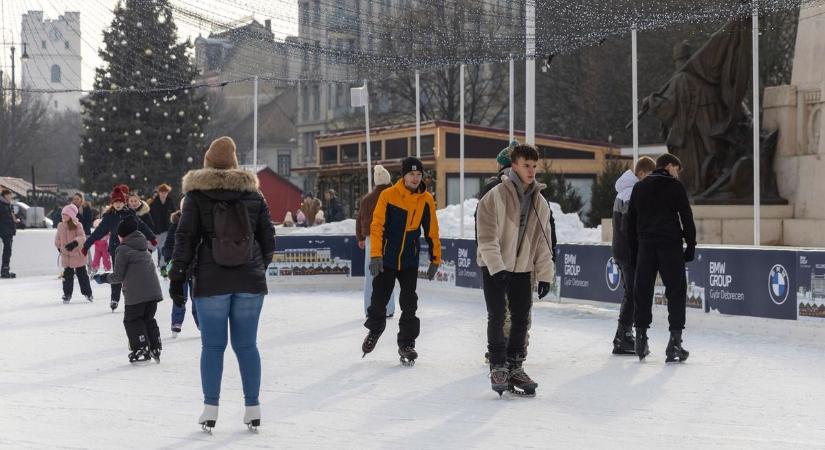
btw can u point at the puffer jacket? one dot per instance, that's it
(64, 235)
(7, 226)
(135, 269)
(499, 212)
(624, 187)
(192, 255)
(108, 225)
(396, 226)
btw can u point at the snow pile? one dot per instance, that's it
(569, 227)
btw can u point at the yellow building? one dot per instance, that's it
(342, 159)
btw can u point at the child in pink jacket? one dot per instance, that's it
(101, 253)
(68, 240)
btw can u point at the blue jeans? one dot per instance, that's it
(368, 283)
(179, 313)
(237, 315)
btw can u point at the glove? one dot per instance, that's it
(85, 251)
(544, 289)
(554, 254)
(502, 279)
(101, 278)
(431, 271)
(154, 243)
(71, 246)
(177, 293)
(175, 272)
(376, 266)
(690, 253)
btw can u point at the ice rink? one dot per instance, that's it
(65, 381)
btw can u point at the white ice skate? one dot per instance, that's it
(252, 418)
(208, 418)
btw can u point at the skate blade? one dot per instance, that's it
(207, 426)
(175, 334)
(407, 362)
(676, 359)
(527, 393)
(253, 425)
(620, 352)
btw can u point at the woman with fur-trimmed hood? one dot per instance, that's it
(226, 295)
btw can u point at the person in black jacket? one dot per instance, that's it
(84, 212)
(659, 218)
(623, 341)
(333, 211)
(8, 228)
(161, 209)
(178, 312)
(112, 217)
(226, 296)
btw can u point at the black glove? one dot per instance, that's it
(101, 278)
(544, 289)
(431, 271)
(376, 266)
(554, 254)
(502, 278)
(175, 271)
(71, 246)
(690, 253)
(176, 291)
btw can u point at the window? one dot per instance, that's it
(349, 153)
(329, 155)
(427, 145)
(474, 146)
(397, 148)
(284, 164)
(472, 186)
(55, 74)
(375, 150)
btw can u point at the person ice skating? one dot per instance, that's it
(624, 342)
(68, 239)
(84, 212)
(310, 206)
(101, 252)
(111, 218)
(402, 211)
(659, 218)
(362, 232)
(333, 211)
(225, 239)
(8, 228)
(178, 312)
(142, 210)
(161, 209)
(135, 270)
(513, 242)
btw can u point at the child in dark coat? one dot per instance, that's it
(178, 312)
(135, 270)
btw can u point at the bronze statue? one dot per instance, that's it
(704, 120)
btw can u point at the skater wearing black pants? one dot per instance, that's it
(513, 229)
(659, 218)
(400, 214)
(623, 342)
(8, 228)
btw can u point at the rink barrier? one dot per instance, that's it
(768, 282)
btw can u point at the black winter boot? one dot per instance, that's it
(623, 342)
(674, 351)
(4, 273)
(642, 348)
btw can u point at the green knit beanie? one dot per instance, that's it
(503, 158)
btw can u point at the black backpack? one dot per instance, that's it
(232, 242)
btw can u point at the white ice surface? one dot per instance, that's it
(65, 381)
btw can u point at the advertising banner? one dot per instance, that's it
(588, 272)
(810, 293)
(315, 255)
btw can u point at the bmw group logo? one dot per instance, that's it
(612, 275)
(778, 284)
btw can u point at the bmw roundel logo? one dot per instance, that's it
(778, 284)
(612, 275)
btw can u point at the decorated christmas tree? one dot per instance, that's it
(144, 122)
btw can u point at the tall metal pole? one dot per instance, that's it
(512, 97)
(757, 216)
(635, 95)
(461, 154)
(417, 115)
(530, 94)
(367, 123)
(13, 88)
(255, 128)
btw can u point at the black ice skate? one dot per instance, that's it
(499, 378)
(408, 356)
(4, 273)
(66, 299)
(139, 355)
(623, 342)
(642, 348)
(252, 418)
(208, 418)
(113, 305)
(155, 354)
(520, 383)
(674, 351)
(369, 343)
(176, 327)
(89, 298)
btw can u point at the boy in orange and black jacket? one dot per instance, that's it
(402, 211)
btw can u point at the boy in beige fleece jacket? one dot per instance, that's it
(513, 242)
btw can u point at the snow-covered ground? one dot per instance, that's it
(65, 381)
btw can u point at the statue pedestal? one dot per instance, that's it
(733, 224)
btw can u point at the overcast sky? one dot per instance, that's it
(95, 15)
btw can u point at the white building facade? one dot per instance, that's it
(54, 62)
